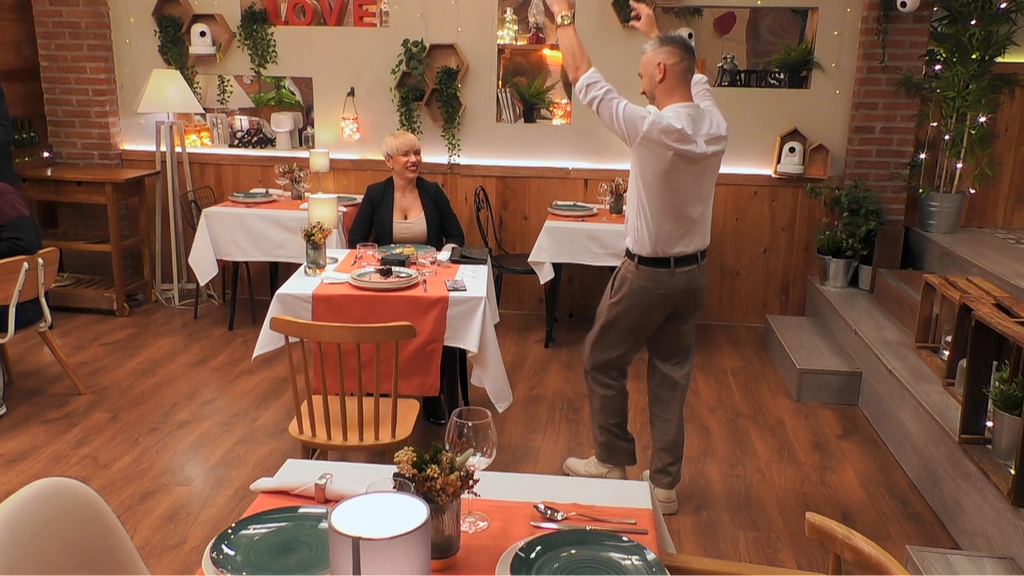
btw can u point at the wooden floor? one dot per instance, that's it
(179, 422)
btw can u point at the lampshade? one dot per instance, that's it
(208, 88)
(380, 533)
(319, 161)
(166, 92)
(324, 208)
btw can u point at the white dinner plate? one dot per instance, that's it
(572, 213)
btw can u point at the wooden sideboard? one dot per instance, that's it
(108, 187)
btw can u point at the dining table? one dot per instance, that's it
(462, 320)
(235, 232)
(507, 498)
(597, 240)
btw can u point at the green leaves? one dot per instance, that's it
(532, 92)
(449, 100)
(409, 96)
(856, 214)
(173, 48)
(256, 37)
(224, 90)
(1006, 395)
(794, 58)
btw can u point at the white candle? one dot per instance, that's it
(380, 533)
(319, 161)
(324, 208)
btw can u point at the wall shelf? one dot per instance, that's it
(433, 108)
(180, 8)
(444, 55)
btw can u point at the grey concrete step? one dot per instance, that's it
(814, 368)
(969, 252)
(898, 292)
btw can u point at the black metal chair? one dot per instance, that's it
(502, 262)
(193, 202)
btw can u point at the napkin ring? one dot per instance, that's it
(320, 487)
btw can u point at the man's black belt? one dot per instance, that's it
(668, 262)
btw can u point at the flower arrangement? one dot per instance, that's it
(316, 233)
(436, 475)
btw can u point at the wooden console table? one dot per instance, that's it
(97, 185)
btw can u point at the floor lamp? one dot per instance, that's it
(166, 92)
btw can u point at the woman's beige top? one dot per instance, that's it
(410, 231)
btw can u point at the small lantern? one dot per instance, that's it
(350, 122)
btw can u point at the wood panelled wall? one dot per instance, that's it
(19, 63)
(762, 245)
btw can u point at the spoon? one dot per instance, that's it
(557, 515)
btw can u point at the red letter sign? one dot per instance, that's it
(362, 17)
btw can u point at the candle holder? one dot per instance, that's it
(350, 122)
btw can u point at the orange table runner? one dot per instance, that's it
(290, 205)
(510, 523)
(419, 362)
(598, 218)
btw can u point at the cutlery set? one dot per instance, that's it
(557, 516)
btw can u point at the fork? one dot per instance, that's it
(424, 285)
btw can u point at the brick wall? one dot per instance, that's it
(881, 138)
(76, 59)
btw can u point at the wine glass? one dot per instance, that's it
(472, 429)
(604, 195)
(282, 173)
(300, 183)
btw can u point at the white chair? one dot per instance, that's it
(61, 526)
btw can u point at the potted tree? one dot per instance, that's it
(1007, 396)
(959, 92)
(796, 61)
(857, 216)
(533, 95)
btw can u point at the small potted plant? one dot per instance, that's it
(857, 216)
(1007, 396)
(533, 95)
(441, 479)
(617, 204)
(796, 61)
(315, 236)
(837, 255)
(410, 87)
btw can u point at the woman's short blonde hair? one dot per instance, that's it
(400, 142)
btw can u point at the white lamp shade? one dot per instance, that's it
(380, 533)
(166, 92)
(208, 88)
(319, 161)
(324, 208)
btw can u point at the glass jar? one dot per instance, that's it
(316, 258)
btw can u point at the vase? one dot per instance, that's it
(836, 272)
(796, 80)
(616, 205)
(940, 213)
(1005, 436)
(864, 273)
(445, 530)
(316, 258)
(297, 194)
(530, 115)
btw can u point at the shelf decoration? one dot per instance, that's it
(180, 9)
(173, 47)
(448, 95)
(410, 85)
(819, 161)
(789, 159)
(217, 40)
(365, 13)
(350, 122)
(508, 29)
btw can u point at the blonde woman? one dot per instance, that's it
(405, 208)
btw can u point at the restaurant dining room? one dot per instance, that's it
(511, 287)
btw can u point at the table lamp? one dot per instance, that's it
(324, 208)
(166, 92)
(380, 533)
(320, 162)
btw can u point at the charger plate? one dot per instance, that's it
(579, 552)
(290, 540)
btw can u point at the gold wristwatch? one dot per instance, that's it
(564, 19)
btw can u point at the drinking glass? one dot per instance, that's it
(281, 174)
(301, 182)
(471, 428)
(426, 261)
(390, 485)
(604, 195)
(364, 253)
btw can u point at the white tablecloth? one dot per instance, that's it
(470, 324)
(567, 242)
(241, 234)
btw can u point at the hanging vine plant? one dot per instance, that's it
(224, 90)
(256, 37)
(449, 100)
(173, 48)
(885, 8)
(688, 14)
(408, 97)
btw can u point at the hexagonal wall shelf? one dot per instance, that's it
(180, 8)
(441, 55)
(406, 78)
(223, 35)
(433, 108)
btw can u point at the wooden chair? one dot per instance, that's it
(25, 278)
(846, 545)
(339, 423)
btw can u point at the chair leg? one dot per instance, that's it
(224, 283)
(252, 296)
(195, 302)
(58, 354)
(497, 287)
(8, 368)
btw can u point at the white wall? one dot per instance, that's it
(337, 58)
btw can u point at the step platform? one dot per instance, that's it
(813, 366)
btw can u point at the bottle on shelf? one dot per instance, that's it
(16, 142)
(33, 137)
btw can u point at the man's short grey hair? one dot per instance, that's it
(676, 42)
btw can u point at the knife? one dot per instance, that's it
(555, 526)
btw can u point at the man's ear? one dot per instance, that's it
(662, 71)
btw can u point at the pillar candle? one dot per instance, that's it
(324, 208)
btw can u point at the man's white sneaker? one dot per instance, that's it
(593, 468)
(667, 499)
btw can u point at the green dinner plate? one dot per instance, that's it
(571, 207)
(252, 195)
(347, 200)
(584, 552)
(289, 540)
(393, 248)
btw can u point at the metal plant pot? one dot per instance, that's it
(864, 273)
(940, 213)
(836, 272)
(1005, 435)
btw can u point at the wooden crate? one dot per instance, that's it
(945, 309)
(995, 336)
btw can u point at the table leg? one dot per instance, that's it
(275, 271)
(551, 305)
(147, 257)
(120, 305)
(464, 376)
(450, 379)
(234, 295)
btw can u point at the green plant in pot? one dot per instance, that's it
(410, 87)
(959, 93)
(449, 101)
(533, 95)
(858, 214)
(796, 61)
(279, 96)
(173, 48)
(1007, 396)
(256, 37)
(837, 254)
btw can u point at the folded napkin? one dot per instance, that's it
(332, 277)
(305, 206)
(274, 191)
(444, 256)
(337, 489)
